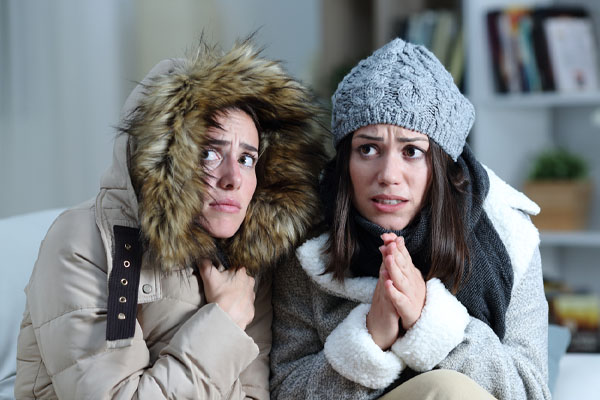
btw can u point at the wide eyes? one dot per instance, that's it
(211, 158)
(367, 150)
(247, 160)
(409, 151)
(210, 155)
(413, 152)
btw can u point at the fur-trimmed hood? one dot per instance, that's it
(165, 121)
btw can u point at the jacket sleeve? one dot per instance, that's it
(67, 300)
(299, 366)
(255, 378)
(512, 368)
(517, 366)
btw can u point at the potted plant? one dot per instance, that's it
(560, 185)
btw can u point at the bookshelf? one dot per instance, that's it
(510, 128)
(353, 29)
(543, 100)
(570, 239)
(516, 126)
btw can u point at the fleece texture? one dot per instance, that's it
(321, 347)
(167, 125)
(182, 348)
(366, 364)
(403, 84)
(440, 328)
(520, 237)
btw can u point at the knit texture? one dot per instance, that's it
(309, 304)
(487, 285)
(403, 84)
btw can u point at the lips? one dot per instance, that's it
(388, 203)
(226, 205)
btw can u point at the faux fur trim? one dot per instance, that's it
(168, 128)
(311, 257)
(436, 333)
(507, 208)
(351, 351)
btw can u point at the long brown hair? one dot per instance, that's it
(446, 196)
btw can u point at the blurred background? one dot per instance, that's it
(66, 67)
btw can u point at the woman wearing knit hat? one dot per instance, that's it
(427, 282)
(191, 213)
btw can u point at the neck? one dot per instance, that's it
(367, 257)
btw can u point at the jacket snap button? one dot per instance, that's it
(147, 288)
(124, 282)
(127, 246)
(121, 316)
(126, 264)
(122, 299)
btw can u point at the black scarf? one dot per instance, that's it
(486, 290)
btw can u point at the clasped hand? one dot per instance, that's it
(232, 290)
(399, 295)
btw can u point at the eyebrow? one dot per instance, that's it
(398, 139)
(217, 142)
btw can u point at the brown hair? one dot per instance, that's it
(247, 108)
(446, 196)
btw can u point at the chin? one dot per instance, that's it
(222, 229)
(223, 233)
(397, 225)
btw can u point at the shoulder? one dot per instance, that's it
(70, 271)
(313, 261)
(74, 232)
(509, 211)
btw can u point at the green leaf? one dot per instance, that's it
(558, 164)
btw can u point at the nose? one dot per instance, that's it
(389, 170)
(230, 177)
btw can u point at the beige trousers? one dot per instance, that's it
(439, 384)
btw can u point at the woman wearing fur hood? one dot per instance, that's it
(159, 287)
(428, 281)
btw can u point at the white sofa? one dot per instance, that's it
(20, 238)
(578, 377)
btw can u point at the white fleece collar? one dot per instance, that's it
(506, 207)
(508, 210)
(313, 262)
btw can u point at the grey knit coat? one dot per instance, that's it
(322, 349)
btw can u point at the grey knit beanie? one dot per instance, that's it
(403, 84)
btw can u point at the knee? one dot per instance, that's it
(446, 381)
(441, 384)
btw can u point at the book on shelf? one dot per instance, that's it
(578, 310)
(542, 49)
(499, 64)
(572, 49)
(440, 31)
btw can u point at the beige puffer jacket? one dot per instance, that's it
(83, 335)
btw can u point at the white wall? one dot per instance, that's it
(62, 69)
(290, 30)
(66, 67)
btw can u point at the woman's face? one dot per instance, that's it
(230, 161)
(390, 174)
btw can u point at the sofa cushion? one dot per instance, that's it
(559, 338)
(20, 238)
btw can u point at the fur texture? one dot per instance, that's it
(169, 131)
(351, 351)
